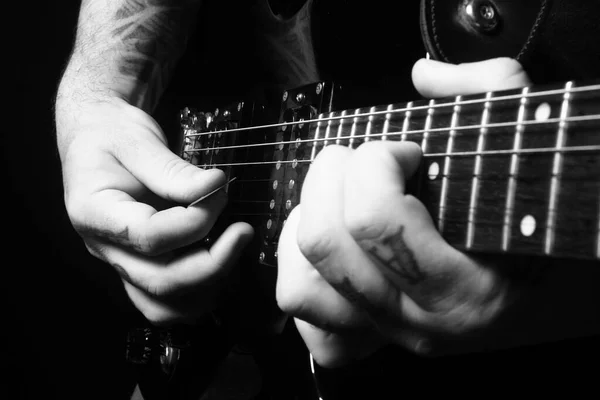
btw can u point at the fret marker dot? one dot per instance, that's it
(527, 225)
(294, 163)
(281, 146)
(543, 111)
(291, 184)
(275, 184)
(278, 165)
(272, 204)
(434, 171)
(269, 224)
(288, 204)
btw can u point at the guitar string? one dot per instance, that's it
(463, 221)
(582, 118)
(532, 151)
(408, 109)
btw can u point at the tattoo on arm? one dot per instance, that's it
(392, 253)
(154, 33)
(130, 47)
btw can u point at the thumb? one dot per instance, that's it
(166, 174)
(437, 79)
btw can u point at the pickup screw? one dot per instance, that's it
(261, 257)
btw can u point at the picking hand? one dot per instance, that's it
(361, 262)
(126, 194)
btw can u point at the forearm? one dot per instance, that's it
(127, 48)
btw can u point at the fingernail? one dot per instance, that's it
(204, 174)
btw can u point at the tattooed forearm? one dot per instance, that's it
(392, 253)
(130, 47)
(152, 33)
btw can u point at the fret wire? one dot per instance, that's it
(581, 118)
(314, 149)
(328, 130)
(477, 171)
(514, 169)
(447, 161)
(211, 153)
(340, 129)
(574, 149)
(353, 129)
(399, 110)
(428, 122)
(369, 124)
(406, 122)
(556, 170)
(386, 124)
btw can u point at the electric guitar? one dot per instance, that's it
(512, 172)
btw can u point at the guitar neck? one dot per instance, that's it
(507, 172)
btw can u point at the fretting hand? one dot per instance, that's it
(361, 262)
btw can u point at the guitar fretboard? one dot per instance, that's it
(506, 172)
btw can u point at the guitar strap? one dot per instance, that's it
(555, 40)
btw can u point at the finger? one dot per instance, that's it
(398, 234)
(163, 313)
(159, 169)
(116, 216)
(451, 292)
(437, 79)
(325, 242)
(303, 293)
(166, 276)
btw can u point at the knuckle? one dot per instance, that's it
(364, 224)
(291, 296)
(287, 300)
(147, 245)
(173, 169)
(316, 244)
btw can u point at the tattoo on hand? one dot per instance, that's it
(347, 289)
(393, 254)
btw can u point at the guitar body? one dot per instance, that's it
(539, 33)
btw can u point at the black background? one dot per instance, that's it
(65, 315)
